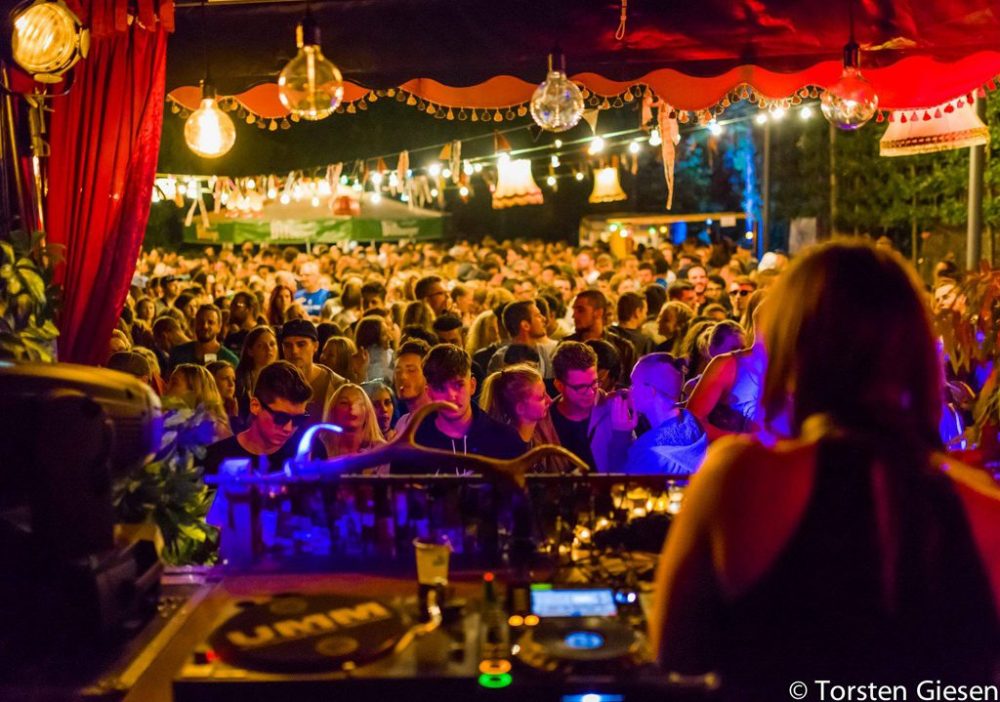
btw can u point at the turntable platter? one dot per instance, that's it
(308, 634)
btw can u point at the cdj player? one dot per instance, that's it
(536, 642)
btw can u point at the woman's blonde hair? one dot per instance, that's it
(419, 313)
(484, 330)
(371, 435)
(503, 391)
(202, 391)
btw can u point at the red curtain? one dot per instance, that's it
(105, 139)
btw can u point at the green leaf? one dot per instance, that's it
(33, 282)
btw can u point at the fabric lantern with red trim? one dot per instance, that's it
(515, 184)
(607, 186)
(957, 128)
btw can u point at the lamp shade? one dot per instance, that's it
(607, 187)
(515, 185)
(958, 128)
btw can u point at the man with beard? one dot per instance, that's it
(243, 311)
(206, 347)
(590, 310)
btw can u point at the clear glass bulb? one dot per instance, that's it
(557, 104)
(310, 86)
(850, 102)
(209, 131)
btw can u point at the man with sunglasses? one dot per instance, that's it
(676, 442)
(581, 412)
(278, 418)
(739, 295)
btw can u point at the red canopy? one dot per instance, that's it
(490, 56)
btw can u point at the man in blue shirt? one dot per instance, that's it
(676, 444)
(311, 295)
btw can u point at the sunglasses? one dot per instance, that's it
(741, 293)
(282, 419)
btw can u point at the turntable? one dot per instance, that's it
(304, 646)
(581, 631)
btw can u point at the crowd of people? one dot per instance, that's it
(825, 534)
(634, 363)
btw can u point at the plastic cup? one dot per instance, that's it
(432, 559)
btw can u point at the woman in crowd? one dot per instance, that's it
(279, 301)
(516, 396)
(188, 305)
(260, 349)
(384, 401)
(855, 551)
(194, 387)
(351, 410)
(225, 380)
(484, 332)
(372, 335)
(420, 314)
(145, 310)
(673, 322)
(727, 397)
(341, 355)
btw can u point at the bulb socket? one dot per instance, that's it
(557, 60)
(852, 55)
(307, 31)
(208, 89)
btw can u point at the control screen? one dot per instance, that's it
(573, 603)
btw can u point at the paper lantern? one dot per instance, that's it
(958, 128)
(607, 187)
(515, 185)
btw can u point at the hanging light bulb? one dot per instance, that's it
(761, 118)
(209, 131)
(850, 102)
(596, 145)
(634, 147)
(654, 138)
(310, 86)
(48, 39)
(557, 104)
(715, 128)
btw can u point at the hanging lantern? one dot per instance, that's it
(209, 131)
(310, 86)
(515, 185)
(959, 128)
(48, 39)
(850, 102)
(607, 187)
(557, 104)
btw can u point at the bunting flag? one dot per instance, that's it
(590, 117)
(455, 162)
(500, 143)
(670, 135)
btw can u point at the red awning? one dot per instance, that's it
(490, 56)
